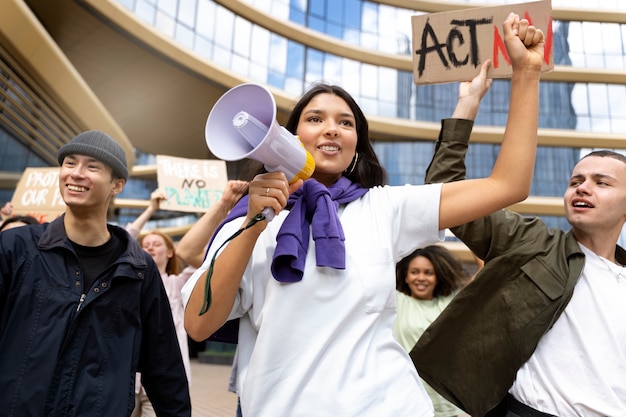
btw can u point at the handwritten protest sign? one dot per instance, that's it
(190, 185)
(37, 194)
(451, 46)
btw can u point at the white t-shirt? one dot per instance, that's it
(579, 366)
(324, 346)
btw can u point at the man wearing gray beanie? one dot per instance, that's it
(83, 306)
(100, 146)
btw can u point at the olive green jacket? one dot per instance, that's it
(528, 279)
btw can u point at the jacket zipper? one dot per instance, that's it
(80, 302)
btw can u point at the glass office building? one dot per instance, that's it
(290, 44)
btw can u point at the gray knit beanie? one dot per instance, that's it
(98, 145)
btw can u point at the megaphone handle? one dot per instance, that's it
(269, 214)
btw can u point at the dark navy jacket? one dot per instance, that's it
(70, 351)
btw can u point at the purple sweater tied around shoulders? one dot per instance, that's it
(313, 208)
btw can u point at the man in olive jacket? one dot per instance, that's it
(519, 337)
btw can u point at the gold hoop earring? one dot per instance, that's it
(350, 169)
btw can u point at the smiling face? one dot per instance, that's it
(327, 130)
(595, 199)
(156, 246)
(421, 278)
(86, 184)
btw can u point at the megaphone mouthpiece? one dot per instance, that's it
(250, 128)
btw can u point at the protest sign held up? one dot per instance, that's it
(451, 46)
(37, 194)
(190, 185)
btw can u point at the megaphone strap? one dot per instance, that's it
(208, 298)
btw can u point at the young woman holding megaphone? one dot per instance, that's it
(315, 288)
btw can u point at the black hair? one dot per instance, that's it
(605, 153)
(15, 219)
(448, 269)
(368, 171)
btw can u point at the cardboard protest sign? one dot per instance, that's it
(190, 185)
(451, 46)
(37, 194)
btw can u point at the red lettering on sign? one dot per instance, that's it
(498, 45)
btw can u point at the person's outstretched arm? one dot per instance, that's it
(192, 245)
(509, 182)
(471, 93)
(455, 131)
(134, 228)
(232, 260)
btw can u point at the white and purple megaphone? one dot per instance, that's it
(242, 124)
